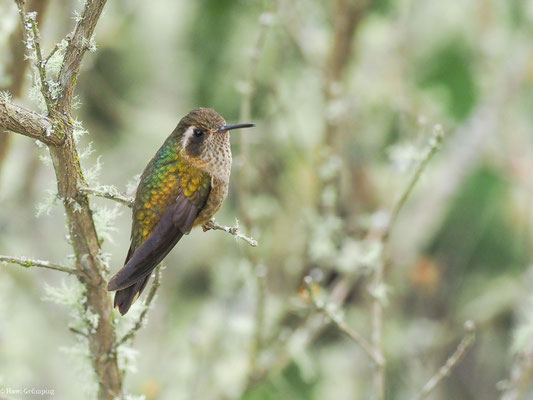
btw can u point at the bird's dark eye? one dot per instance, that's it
(198, 133)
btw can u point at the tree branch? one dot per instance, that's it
(40, 65)
(28, 123)
(69, 176)
(232, 230)
(434, 144)
(450, 364)
(32, 40)
(54, 51)
(28, 263)
(16, 67)
(375, 356)
(109, 194)
(78, 45)
(378, 280)
(77, 331)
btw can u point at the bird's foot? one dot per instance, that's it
(207, 226)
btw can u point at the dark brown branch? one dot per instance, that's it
(28, 123)
(28, 263)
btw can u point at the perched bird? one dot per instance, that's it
(184, 185)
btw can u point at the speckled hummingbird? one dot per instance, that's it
(184, 185)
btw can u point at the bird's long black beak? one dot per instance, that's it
(235, 126)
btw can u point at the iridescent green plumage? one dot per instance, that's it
(166, 175)
(182, 186)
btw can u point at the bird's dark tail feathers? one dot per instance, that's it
(130, 281)
(124, 298)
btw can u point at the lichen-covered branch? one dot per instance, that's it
(28, 123)
(453, 360)
(29, 263)
(65, 159)
(109, 194)
(33, 42)
(41, 66)
(78, 45)
(17, 65)
(232, 230)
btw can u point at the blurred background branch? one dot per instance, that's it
(451, 362)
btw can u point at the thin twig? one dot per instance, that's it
(434, 144)
(78, 332)
(28, 263)
(147, 302)
(54, 50)
(232, 230)
(444, 371)
(377, 327)
(41, 66)
(211, 225)
(378, 280)
(28, 22)
(343, 327)
(108, 194)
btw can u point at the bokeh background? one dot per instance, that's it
(342, 119)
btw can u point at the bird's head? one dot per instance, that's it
(205, 137)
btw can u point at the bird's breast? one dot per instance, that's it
(219, 191)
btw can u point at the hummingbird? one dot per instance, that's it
(183, 186)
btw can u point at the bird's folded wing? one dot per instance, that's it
(176, 221)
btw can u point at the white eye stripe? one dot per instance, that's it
(188, 133)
